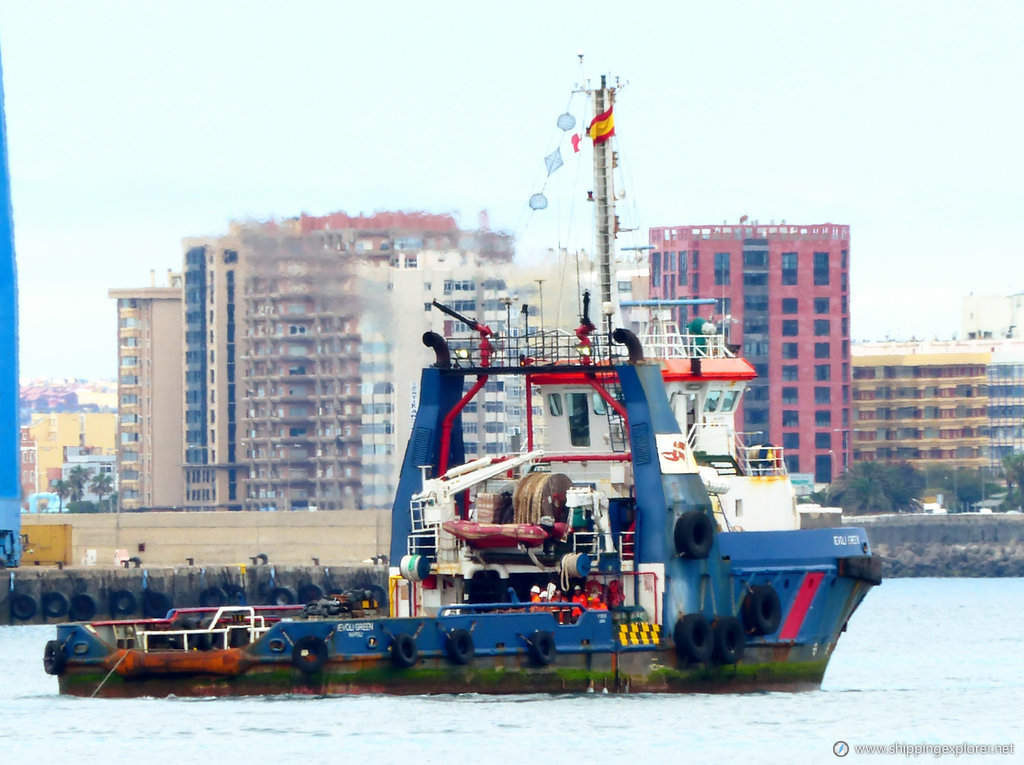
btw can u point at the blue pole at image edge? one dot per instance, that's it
(10, 460)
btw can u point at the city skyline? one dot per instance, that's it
(132, 128)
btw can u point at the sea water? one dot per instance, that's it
(925, 663)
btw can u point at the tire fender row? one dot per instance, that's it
(722, 640)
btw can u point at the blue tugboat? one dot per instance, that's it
(632, 544)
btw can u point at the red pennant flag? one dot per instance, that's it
(575, 142)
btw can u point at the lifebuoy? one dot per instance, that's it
(729, 640)
(122, 603)
(54, 658)
(282, 596)
(309, 654)
(310, 593)
(693, 534)
(459, 646)
(54, 605)
(155, 604)
(404, 652)
(542, 648)
(762, 611)
(82, 607)
(23, 607)
(693, 639)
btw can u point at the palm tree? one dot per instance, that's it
(101, 485)
(1013, 469)
(877, 487)
(63, 490)
(78, 476)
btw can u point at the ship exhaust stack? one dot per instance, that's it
(440, 348)
(632, 342)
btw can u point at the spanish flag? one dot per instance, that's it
(602, 127)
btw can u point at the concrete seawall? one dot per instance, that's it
(181, 556)
(946, 545)
(171, 539)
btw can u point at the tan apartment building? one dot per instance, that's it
(149, 417)
(927, 402)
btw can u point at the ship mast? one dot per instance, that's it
(604, 199)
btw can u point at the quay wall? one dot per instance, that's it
(966, 544)
(170, 539)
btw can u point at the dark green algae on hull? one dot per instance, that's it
(643, 673)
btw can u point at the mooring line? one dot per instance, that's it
(104, 680)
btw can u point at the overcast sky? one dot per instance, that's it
(134, 124)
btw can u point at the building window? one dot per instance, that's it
(790, 373)
(821, 268)
(757, 303)
(789, 305)
(755, 417)
(754, 325)
(790, 350)
(790, 328)
(789, 275)
(789, 396)
(822, 395)
(822, 372)
(790, 440)
(822, 350)
(821, 305)
(823, 440)
(721, 268)
(790, 417)
(822, 417)
(822, 327)
(755, 258)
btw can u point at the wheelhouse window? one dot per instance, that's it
(578, 412)
(730, 400)
(711, 403)
(555, 404)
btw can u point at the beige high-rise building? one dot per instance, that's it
(149, 431)
(293, 397)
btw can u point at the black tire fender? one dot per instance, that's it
(762, 610)
(459, 646)
(693, 638)
(309, 654)
(54, 657)
(542, 648)
(213, 597)
(235, 595)
(282, 596)
(155, 604)
(122, 603)
(54, 605)
(82, 607)
(404, 652)
(729, 640)
(310, 593)
(693, 533)
(23, 607)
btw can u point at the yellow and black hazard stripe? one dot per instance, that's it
(640, 633)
